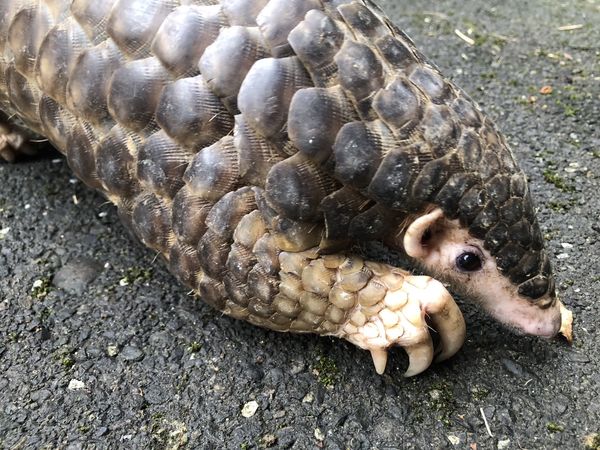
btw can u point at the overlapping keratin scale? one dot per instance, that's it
(229, 131)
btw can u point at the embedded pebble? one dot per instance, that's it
(112, 350)
(76, 275)
(131, 353)
(308, 398)
(454, 440)
(250, 409)
(503, 444)
(319, 435)
(76, 385)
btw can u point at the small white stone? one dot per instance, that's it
(4, 232)
(308, 398)
(319, 435)
(562, 256)
(112, 350)
(37, 284)
(250, 409)
(566, 245)
(76, 385)
(454, 440)
(503, 444)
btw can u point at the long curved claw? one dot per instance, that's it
(420, 357)
(443, 312)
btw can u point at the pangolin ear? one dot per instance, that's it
(414, 244)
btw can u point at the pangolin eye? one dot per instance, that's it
(468, 262)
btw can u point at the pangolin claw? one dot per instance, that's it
(420, 357)
(380, 357)
(403, 317)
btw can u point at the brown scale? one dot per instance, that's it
(266, 93)
(257, 155)
(88, 84)
(398, 52)
(132, 24)
(57, 122)
(289, 235)
(429, 81)
(432, 177)
(189, 216)
(214, 171)
(315, 117)
(399, 106)
(161, 163)
(184, 264)
(278, 18)
(267, 251)
(363, 21)
(360, 74)
(213, 251)
(152, 222)
(81, 145)
(212, 292)
(296, 186)
(358, 151)
(92, 16)
(339, 209)
(134, 93)
(26, 33)
(226, 62)
(440, 130)
(315, 41)
(374, 224)
(221, 221)
(115, 162)
(229, 211)
(191, 114)
(242, 12)
(23, 96)
(184, 35)
(57, 56)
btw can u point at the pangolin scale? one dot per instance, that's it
(252, 142)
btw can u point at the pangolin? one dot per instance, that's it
(252, 143)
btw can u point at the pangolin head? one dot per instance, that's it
(480, 234)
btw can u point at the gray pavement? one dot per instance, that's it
(101, 348)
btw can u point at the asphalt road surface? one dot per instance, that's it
(101, 348)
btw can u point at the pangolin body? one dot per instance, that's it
(252, 142)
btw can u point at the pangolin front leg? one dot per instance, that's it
(372, 305)
(379, 306)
